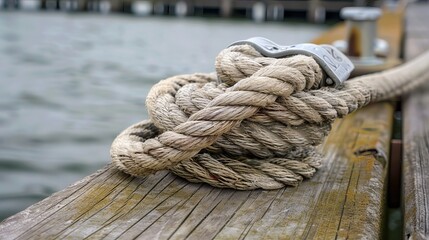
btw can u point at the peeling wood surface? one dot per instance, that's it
(344, 199)
(416, 134)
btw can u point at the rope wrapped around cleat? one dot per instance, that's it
(255, 123)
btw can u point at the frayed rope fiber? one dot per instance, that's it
(255, 123)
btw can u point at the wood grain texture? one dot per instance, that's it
(344, 199)
(416, 134)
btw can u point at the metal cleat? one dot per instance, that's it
(335, 64)
(361, 44)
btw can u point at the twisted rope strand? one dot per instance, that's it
(253, 124)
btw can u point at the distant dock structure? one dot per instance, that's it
(258, 10)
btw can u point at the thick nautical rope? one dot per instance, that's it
(255, 123)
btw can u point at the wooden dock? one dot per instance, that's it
(259, 10)
(346, 199)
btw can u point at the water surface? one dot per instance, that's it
(69, 83)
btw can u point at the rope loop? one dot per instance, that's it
(255, 123)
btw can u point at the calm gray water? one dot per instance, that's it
(70, 82)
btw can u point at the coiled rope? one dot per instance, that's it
(254, 124)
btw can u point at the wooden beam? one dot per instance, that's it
(344, 199)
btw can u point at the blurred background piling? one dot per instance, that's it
(258, 10)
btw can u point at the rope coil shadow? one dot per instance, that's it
(255, 123)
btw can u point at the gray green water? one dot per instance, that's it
(70, 82)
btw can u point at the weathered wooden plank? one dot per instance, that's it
(344, 199)
(416, 165)
(416, 134)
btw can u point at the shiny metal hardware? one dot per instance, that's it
(335, 64)
(361, 43)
